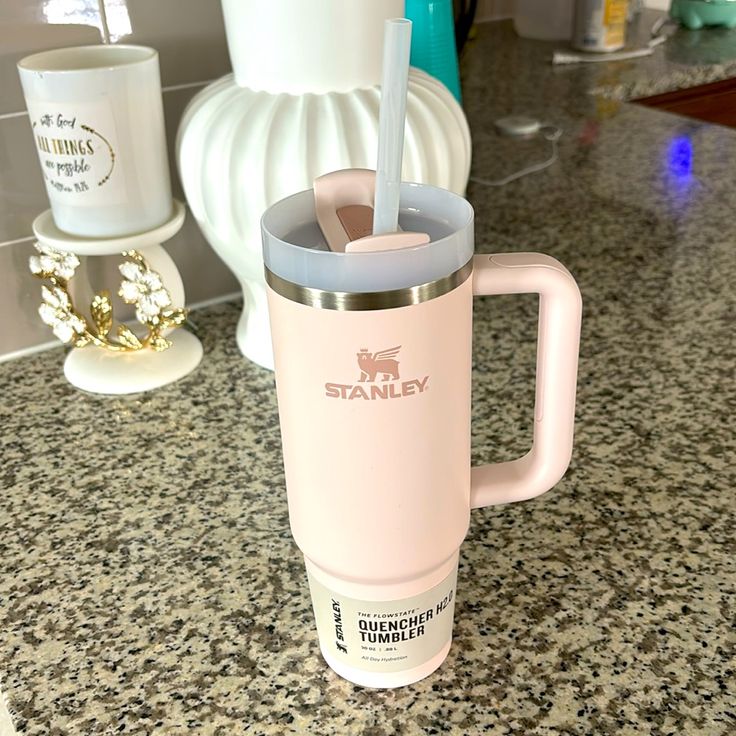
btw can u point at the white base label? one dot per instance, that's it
(384, 636)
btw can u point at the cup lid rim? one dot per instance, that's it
(33, 62)
(374, 271)
(267, 215)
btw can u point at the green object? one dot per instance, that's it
(433, 41)
(695, 14)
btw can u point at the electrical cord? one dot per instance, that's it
(553, 136)
(565, 57)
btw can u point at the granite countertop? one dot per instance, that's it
(686, 59)
(150, 584)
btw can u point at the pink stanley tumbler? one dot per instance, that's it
(373, 361)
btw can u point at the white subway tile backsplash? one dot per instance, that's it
(205, 276)
(175, 101)
(190, 37)
(22, 191)
(28, 26)
(188, 34)
(20, 296)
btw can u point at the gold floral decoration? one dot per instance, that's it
(141, 286)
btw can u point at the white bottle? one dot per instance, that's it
(550, 20)
(600, 25)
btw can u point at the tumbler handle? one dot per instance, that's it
(560, 312)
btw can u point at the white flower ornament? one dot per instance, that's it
(144, 289)
(141, 286)
(58, 313)
(52, 262)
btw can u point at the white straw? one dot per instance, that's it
(396, 47)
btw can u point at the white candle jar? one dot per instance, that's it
(98, 125)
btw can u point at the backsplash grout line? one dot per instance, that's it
(17, 240)
(23, 352)
(186, 85)
(170, 88)
(41, 347)
(232, 296)
(8, 115)
(111, 26)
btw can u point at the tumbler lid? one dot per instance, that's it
(294, 248)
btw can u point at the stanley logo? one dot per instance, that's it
(383, 364)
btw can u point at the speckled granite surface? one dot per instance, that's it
(149, 582)
(687, 59)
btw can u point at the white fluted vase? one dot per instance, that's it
(240, 149)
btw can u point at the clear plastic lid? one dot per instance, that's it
(295, 250)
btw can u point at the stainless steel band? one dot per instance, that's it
(347, 301)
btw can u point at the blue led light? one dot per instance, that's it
(680, 157)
